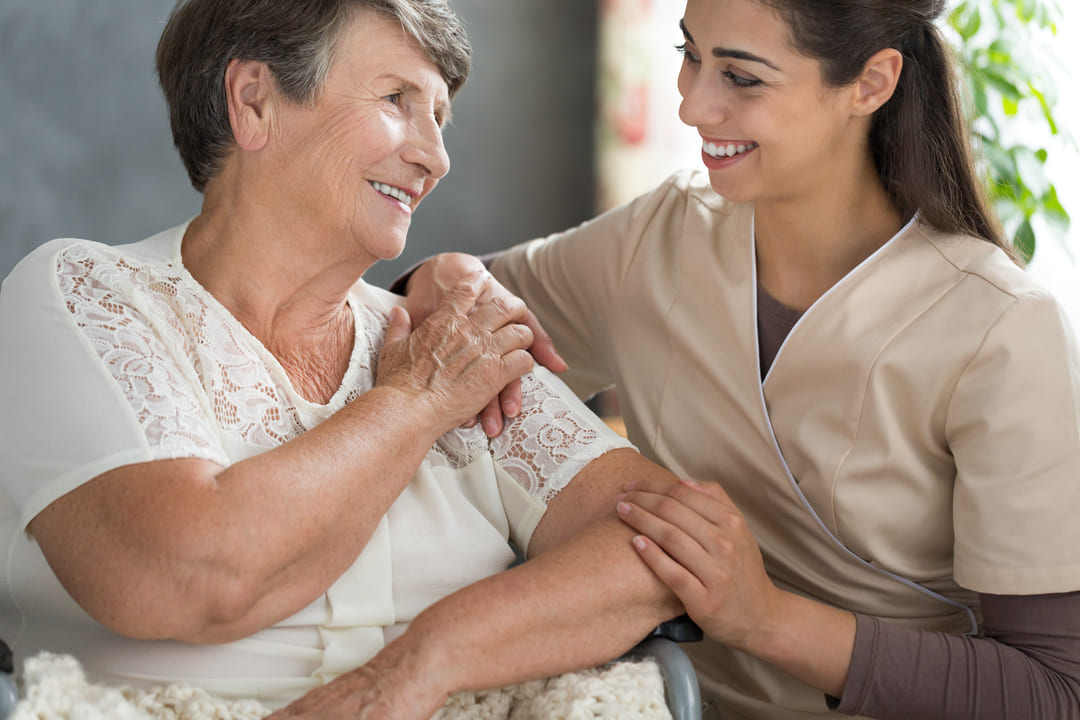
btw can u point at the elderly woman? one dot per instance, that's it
(237, 465)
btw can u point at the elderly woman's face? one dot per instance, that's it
(360, 161)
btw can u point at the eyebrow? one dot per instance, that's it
(720, 52)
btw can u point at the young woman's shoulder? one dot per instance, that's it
(982, 261)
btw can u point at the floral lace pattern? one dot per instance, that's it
(193, 373)
(547, 444)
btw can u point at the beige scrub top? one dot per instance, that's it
(916, 440)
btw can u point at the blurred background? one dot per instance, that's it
(85, 148)
(571, 108)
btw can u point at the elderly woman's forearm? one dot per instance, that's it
(580, 604)
(186, 550)
(333, 486)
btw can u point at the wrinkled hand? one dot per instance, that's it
(467, 350)
(383, 689)
(697, 542)
(430, 283)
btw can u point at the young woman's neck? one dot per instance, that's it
(806, 245)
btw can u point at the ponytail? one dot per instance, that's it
(919, 138)
(922, 146)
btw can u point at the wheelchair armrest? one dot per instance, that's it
(9, 696)
(680, 679)
(681, 629)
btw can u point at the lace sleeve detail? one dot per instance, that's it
(139, 361)
(553, 438)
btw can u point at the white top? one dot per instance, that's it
(116, 355)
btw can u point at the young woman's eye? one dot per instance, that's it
(739, 80)
(688, 54)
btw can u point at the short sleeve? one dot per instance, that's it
(86, 384)
(541, 451)
(575, 281)
(1014, 429)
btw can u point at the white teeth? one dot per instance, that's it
(729, 150)
(399, 195)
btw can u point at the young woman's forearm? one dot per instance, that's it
(1026, 666)
(807, 639)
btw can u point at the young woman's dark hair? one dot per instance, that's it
(919, 138)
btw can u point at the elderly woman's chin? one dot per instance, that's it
(385, 246)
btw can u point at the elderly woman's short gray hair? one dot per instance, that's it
(295, 38)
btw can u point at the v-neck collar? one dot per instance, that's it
(357, 355)
(850, 277)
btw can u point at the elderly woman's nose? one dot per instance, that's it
(426, 148)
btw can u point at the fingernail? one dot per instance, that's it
(639, 542)
(620, 497)
(622, 508)
(489, 428)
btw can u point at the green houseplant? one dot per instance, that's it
(1004, 62)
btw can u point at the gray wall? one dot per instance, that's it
(85, 149)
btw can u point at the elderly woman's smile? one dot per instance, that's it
(402, 196)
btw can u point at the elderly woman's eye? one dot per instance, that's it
(395, 98)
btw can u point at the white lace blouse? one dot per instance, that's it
(116, 355)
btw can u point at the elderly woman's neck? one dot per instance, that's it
(290, 299)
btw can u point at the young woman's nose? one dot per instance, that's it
(703, 102)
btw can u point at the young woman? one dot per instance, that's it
(879, 409)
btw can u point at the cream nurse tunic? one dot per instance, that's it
(915, 442)
(116, 355)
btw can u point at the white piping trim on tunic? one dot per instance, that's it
(776, 445)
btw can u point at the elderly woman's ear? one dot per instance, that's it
(249, 90)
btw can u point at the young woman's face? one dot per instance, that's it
(770, 128)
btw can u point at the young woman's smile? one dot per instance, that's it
(770, 127)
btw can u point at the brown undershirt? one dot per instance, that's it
(1025, 666)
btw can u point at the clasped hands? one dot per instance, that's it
(472, 341)
(471, 345)
(692, 535)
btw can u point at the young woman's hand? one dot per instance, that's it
(697, 542)
(438, 276)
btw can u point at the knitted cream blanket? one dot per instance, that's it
(55, 688)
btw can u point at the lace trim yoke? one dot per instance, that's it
(193, 374)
